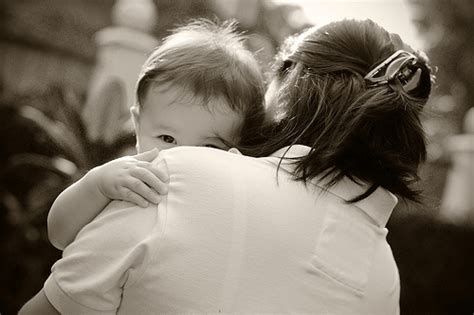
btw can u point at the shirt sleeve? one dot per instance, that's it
(107, 254)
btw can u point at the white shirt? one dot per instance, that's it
(231, 237)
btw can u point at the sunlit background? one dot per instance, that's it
(396, 16)
(67, 75)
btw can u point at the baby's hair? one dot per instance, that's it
(209, 60)
(368, 133)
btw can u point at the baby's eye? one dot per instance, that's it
(167, 139)
(212, 146)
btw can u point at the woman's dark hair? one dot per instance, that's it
(368, 133)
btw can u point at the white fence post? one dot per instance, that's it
(458, 198)
(121, 51)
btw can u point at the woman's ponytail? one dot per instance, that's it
(353, 95)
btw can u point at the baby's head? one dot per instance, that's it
(200, 87)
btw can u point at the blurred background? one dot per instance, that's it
(67, 73)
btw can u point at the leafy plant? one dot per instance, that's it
(44, 147)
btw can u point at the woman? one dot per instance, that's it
(302, 230)
(352, 93)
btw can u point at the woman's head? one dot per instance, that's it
(359, 124)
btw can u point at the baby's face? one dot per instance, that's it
(170, 116)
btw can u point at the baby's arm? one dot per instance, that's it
(131, 178)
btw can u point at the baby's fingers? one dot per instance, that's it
(149, 176)
(147, 155)
(138, 187)
(159, 169)
(130, 196)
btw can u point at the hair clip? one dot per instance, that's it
(400, 66)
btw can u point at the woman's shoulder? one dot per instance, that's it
(202, 159)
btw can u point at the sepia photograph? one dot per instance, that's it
(237, 157)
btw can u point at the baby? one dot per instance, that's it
(200, 87)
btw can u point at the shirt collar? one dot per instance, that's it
(379, 205)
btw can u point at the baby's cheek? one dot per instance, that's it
(146, 144)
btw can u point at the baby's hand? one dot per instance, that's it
(133, 179)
